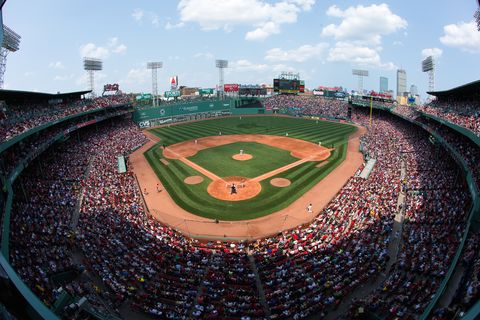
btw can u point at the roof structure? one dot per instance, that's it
(15, 97)
(466, 91)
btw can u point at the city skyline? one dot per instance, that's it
(323, 41)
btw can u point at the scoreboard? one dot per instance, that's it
(288, 86)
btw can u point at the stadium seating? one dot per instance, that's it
(308, 270)
(18, 119)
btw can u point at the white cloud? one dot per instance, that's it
(435, 52)
(56, 65)
(304, 4)
(265, 17)
(245, 65)
(299, 54)
(64, 77)
(263, 32)
(363, 25)
(204, 55)
(170, 26)
(282, 67)
(140, 16)
(358, 55)
(91, 50)
(137, 76)
(463, 35)
(121, 49)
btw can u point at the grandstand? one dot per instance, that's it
(380, 221)
(71, 246)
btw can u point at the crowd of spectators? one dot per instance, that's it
(304, 271)
(18, 119)
(407, 111)
(468, 150)
(463, 113)
(436, 205)
(308, 105)
(468, 291)
(33, 145)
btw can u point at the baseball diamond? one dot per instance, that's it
(218, 160)
(196, 149)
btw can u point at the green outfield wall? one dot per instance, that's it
(193, 110)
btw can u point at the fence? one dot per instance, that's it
(203, 228)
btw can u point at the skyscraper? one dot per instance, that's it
(401, 82)
(383, 84)
(413, 90)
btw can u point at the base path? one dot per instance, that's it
(163, 208)
(300, 149)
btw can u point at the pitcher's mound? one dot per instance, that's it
(193, 180)
(242, 157)
(280, 182)
(245, 188)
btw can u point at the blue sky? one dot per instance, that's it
(322, 40)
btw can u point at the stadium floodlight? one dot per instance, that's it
(477, 16)
(154, 66)
(10, 43)
(91, 65)
(428, 65)
(221, 64)
(288, 75)
(360, 74)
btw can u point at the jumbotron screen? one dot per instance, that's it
(287, 86)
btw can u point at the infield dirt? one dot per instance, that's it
(162, 207)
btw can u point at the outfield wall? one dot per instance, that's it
(192, 110)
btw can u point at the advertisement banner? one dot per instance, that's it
(172, 94)
(174, 83)
(205, 91)
(230, 87)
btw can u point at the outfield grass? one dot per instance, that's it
(265, 159)
(195, 198)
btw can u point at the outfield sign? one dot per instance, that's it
(230, 87)
(172, 94)
(205, 91)
(141, 97)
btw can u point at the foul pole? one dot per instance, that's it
(371, 110)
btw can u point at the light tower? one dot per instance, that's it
(360, 74)
(428, 65)
(10, 43)
(91, 65)
(477, 16)
(154, 66)
(221, 64)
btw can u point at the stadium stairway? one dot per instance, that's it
(261, 291)
(393, 249)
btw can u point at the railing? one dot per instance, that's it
(462, 130)
(10, 142)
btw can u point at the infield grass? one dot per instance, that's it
(195, 198)
(265, 158)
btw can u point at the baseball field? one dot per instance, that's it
(242, 168)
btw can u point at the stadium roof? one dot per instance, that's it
(16, 97)
(471, 89)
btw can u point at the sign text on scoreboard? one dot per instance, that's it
(230, 87)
